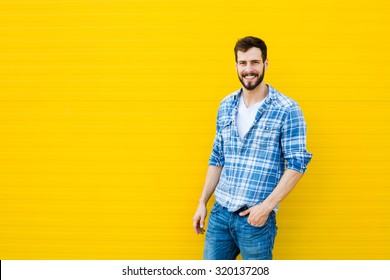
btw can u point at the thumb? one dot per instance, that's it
(201, 222)
(246, 212)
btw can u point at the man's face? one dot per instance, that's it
(250, 68)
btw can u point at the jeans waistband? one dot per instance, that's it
(235, 212)
(241, 209)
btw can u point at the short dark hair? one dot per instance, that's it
(244, 44)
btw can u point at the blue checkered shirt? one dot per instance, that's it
(253, 166)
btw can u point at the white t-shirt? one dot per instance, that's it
(246, 116)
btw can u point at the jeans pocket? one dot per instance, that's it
(257, 227)
(216, 208)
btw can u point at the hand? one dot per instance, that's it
(258, 215)
(199, 217)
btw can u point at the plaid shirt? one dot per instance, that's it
(253, 166)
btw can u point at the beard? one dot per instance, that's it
(253, 84)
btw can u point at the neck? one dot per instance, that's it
(256, 95)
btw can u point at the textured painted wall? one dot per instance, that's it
(107, 117)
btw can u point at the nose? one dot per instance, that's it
(248, 67)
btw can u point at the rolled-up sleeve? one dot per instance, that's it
(217, 157)
(293, 140)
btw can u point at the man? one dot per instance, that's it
(258, 156)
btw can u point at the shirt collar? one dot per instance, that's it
(270, 96)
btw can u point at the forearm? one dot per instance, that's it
(288, 181)
(212, 179)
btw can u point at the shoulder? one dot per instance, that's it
(282, 101)
(227, 104)
(230, 99)
(289, 108)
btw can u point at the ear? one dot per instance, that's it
(266, 64)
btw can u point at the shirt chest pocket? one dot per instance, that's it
(266, 135)
(227, 132)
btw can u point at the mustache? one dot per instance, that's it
(250, 74)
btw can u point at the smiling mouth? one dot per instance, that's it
(249, 76)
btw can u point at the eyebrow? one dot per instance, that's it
(254, 60)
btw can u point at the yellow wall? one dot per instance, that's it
(107, 116)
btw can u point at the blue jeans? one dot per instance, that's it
(229, 234)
